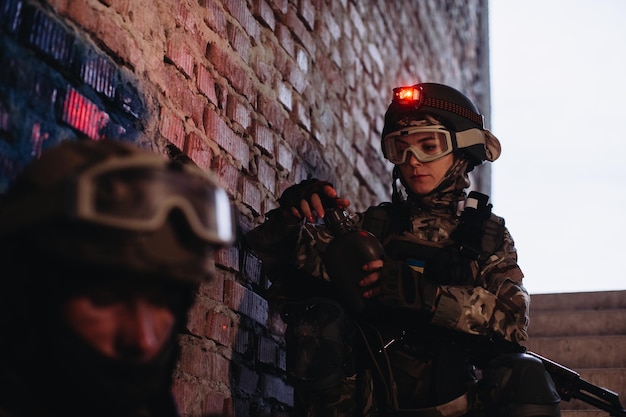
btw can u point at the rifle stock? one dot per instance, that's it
(570, 385)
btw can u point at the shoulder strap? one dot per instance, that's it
(480, 232)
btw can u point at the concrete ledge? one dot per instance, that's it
(579, 352)
(580, 300)
(576, 323)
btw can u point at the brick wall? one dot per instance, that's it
(265, 93)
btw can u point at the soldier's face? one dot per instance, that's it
(424, 177)
(132, 326)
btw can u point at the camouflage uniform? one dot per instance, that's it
(476, 298)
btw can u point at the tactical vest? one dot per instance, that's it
(478, 235)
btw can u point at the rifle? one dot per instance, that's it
(568, 382)
(570, 385)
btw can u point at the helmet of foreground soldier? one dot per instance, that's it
(449, 107)
(110, 204)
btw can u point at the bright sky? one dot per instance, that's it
(558, 88)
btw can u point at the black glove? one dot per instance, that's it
(292, 196)
(402, 286)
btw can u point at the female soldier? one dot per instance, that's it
(445, 297)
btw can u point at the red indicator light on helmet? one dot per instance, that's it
(407, 94)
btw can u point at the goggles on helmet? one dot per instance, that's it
(139, 196)
(135, 194)
(427, 143)
(414, 97)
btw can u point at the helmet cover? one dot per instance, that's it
(114, 205)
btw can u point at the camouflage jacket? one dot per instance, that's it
(494, 302)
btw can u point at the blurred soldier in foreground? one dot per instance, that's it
(102, 247)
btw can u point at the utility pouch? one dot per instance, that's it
(317, 339)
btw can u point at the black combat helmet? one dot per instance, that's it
(451, 108)
(114, 205)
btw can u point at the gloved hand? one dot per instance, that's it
(309, 198)
(400, 286)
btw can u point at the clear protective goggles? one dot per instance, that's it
(139, 194)
(135, 194)
(427, 143)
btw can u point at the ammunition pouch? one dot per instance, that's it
(318, 343)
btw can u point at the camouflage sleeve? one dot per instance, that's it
(278, 244)
(272, 240)
(497, 306)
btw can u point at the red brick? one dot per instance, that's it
(285, 157)
(193, 361)
(185, 393)
(264, 71)
(285, 39)
(217, 130)
(215, 288)
(234, 294)
(306, 11)
(300, 31)
(269, 204)
(245, 301)
(263, 137)
(264, 13)
(251, 195)
(185, 18)
(294, 136)
(228, 175)
(357, 22)
(303, 115)
(273, 113)
(285, 95)
(239, 41)
(171, 128)
(274, 387)
(215, 404)
(267, 350)
(303, 63)
(231, 68)
(200, 363)
(194, 399)
(298, 79)
(200, 149)
(247, 379)
(280, 6)
(243, 342)
(252, 268)
(181, 93)
(180, 55)
(267, 175)
(239, 10)
(206, 83)
(116, 39)
(228, 257)
(197, 318)
(219, 327)
(238, 112)
(214, 18)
